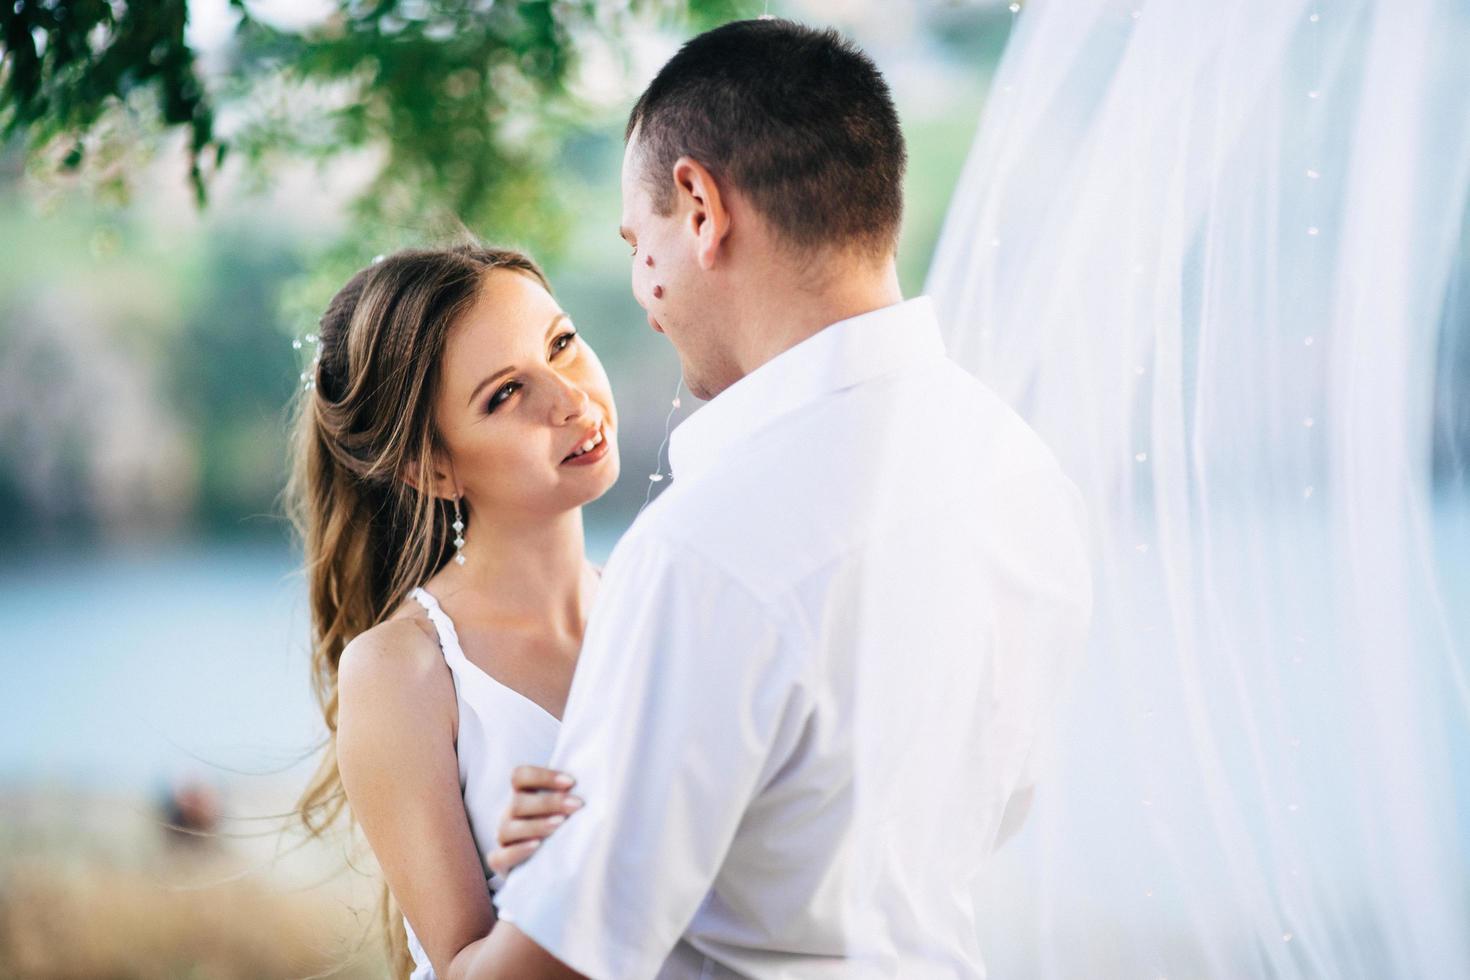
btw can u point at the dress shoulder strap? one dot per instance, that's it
(443, 625)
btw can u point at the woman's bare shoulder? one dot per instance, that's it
(399, 654)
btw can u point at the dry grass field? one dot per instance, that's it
(97, 886)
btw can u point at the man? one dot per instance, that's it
(819, 663)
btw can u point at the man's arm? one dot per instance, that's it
(682, 705)
(508, 953)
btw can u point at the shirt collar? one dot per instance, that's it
(838, 356)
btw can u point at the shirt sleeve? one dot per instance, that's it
(683, 682)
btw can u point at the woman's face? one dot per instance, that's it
(521, 392)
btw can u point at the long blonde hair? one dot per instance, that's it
(364, 437)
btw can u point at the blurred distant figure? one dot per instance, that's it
(191, 813)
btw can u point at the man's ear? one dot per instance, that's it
(436, 478)
(703, 207)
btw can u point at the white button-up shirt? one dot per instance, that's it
(816, 672)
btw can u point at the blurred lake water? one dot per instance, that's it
(126, 670)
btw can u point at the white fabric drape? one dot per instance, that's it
(1211, 252)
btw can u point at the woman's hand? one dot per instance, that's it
(537, 807)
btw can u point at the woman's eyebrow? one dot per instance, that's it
(507, 370)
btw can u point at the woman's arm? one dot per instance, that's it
(396, 755)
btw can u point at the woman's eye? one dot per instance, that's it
(558, 345)
(506, 390)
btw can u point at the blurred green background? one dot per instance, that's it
(146, 339)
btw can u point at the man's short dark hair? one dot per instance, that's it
(799, 120)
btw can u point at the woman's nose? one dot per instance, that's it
(571, 401)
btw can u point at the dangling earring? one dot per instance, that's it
(458, 526)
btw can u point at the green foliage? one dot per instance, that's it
(462, 101)
(459, 104)
(67, 62)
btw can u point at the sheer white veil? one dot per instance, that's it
(1216, 254)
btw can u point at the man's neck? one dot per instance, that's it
(784, 317)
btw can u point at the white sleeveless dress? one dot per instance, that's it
(499, 729)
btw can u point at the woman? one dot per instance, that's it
(453, 428)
